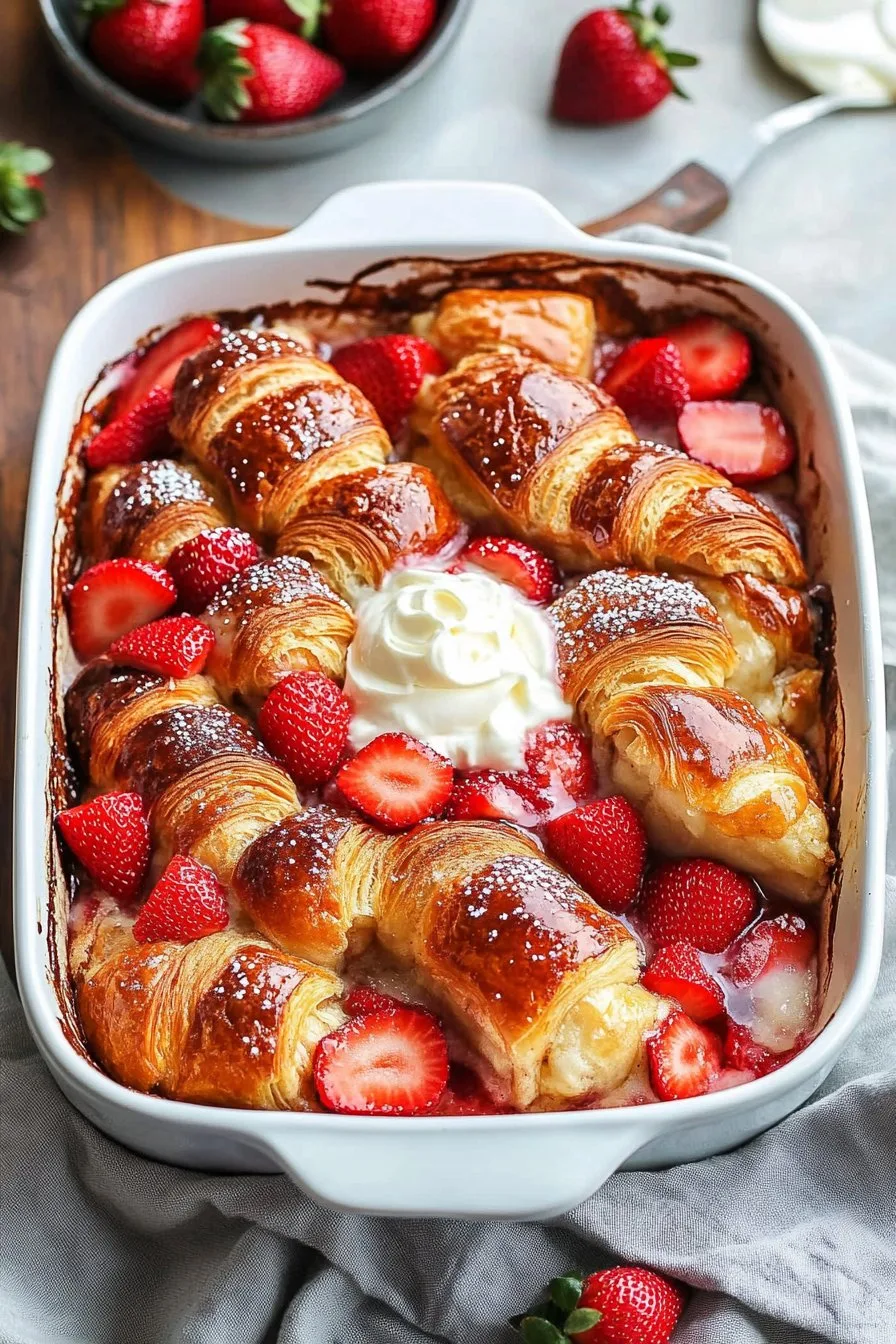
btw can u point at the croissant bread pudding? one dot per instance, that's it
(448, 720)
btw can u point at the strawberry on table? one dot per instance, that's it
(202, 565)
(747, 442)
(392, 1062)
(683, 1057)
(496, 795)
(648, 380)
(603, 846)
(305, 722)
(715, 356)
(623, 1305)
(148, 46)
(697, 901)
(377, 35)
(559, 753)
(256, 72)
(677, 972)
(21, 185)
(397, 781)
(158, 365)
(110, 836)
(389, 370)
(614, 66)
(299, 16)
(175, 646)
(187, 902)
(132, 436)
(514, 562)
(113, 597)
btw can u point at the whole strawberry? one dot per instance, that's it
(257, 72)
(623, 1305)
(297, 16)
(21, 185)
(377, 35)
(148, 46)
(614, 67)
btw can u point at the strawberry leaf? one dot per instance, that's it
(309, 11)
(95, 9)
(225, 70)
(21, 197)
(583, 1318)
(536, 1330)
(566, 1291)
(682, 58)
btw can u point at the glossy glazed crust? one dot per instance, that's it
(553, 459)
(549, 325)
(146, 510)
(267, 422)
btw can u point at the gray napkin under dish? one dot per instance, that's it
(789, 1240)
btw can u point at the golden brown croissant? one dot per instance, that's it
(557, 327)
(267, 422)
(519, 446)
(146, 510)
(354, 528)
(227, 1020)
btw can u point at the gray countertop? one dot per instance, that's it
(815, 214)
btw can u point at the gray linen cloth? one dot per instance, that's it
(789, 1240)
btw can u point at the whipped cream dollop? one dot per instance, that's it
(834, 46)
(460, 661)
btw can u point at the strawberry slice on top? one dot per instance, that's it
(747, 442)
(305, 722)
(389, 370)
(175, 646)
(514, 562)
(558, 753)
(135, 435)
(786, 942)
(203, 564)
(684, 1058)
(187, 902)
(496, 795)
(715, 356)
(676, 972)
(113, 597)
(392, 1062)
(110, 836)
(397, 781)
(648, 380)
(158, 366)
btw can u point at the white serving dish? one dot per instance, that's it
(519, 1166)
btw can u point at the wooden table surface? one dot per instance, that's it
(105, 217)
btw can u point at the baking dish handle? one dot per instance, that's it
(397, 214)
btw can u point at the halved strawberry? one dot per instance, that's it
(397, 780)
(603, 846)
(305, 722)
(648, 380)
(133, 436)
(493, 795)
(187, 902)
(558, 753)
(784, 942)
(362, 1000)
(113, 597)
(389, 370)
(677, 972)
(393, 1062)
(697, 901)
(110, 836)
(741, 1051)
(684, 1058)
(159, 365)
(745, 441)
(202, 565)
(175, 646)
(516, 563)
(716, 357)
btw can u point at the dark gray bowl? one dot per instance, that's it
(359, 110)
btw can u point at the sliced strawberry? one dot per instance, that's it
(745, 441)
(677, 972)
(716, 357)
(492, 795)
(784, 942)
(305, 722)
(684, 1058)
(741, 1051)
(112, 598)
(175, 646)
(636, 1306)
(202, 565)
(393, 1062)
(110, 836)
(186, 903)
(697, 901)
(397, 781)
(603, 846)
(558, 753)
(135, 435)
(516, 563)
(648, 380)
(159, 365)
(389, 370)
(362, 1000)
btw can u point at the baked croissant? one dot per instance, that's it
(227, 1020)
(527, 450)
(267, 422)
(146, 510)
(551, 325)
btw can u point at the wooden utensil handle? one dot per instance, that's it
(687, 201)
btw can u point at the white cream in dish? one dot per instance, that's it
(460, 661)
(834, 46)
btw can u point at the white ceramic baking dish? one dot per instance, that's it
(506, 1166)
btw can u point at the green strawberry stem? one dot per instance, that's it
(648, 30)
(225, 70)
(555, 1321)
(21, 188)
(309, 11)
